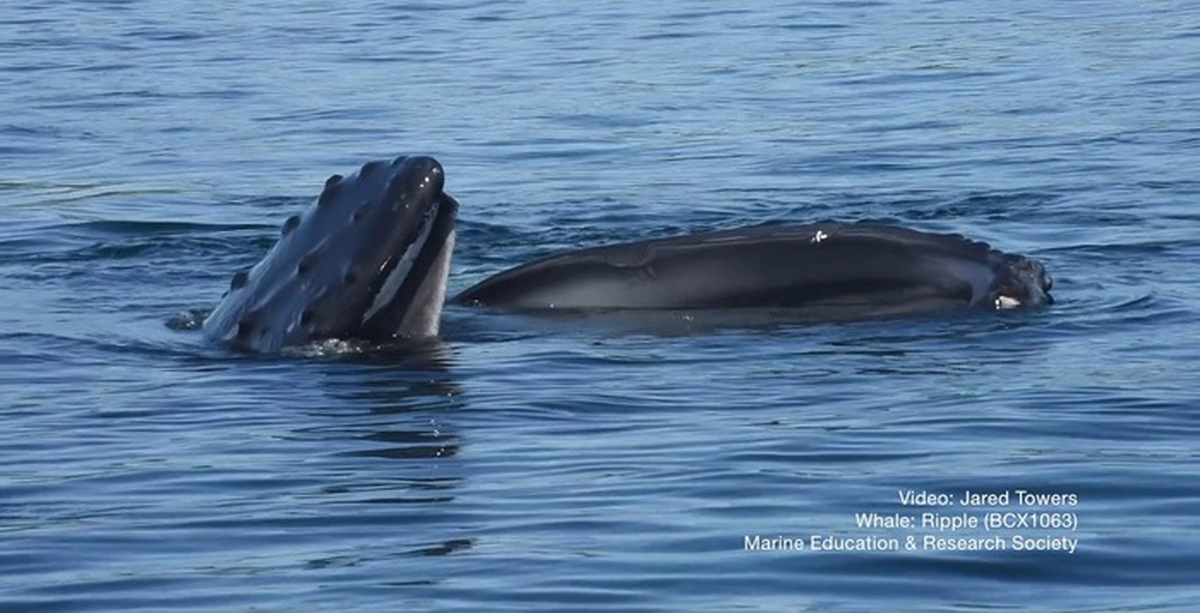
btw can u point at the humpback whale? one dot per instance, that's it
(369, 260)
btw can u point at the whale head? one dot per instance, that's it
(368, 261)
(1019, 282)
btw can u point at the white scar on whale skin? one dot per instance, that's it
(1005, 302)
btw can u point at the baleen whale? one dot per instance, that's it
(369, 260)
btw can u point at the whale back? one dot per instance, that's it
(832, 270)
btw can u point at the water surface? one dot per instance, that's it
(148, 150)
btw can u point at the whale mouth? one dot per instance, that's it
(402, 266)
(409, 290)
(1020, 282)
(364, 262)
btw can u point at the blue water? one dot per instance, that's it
(149, 149)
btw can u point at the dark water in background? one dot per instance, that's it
(147, 150)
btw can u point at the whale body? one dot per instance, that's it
(829, 270)
(369, 260)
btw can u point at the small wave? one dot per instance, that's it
(170, 244)
(192, 319)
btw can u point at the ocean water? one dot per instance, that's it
(149, 149)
